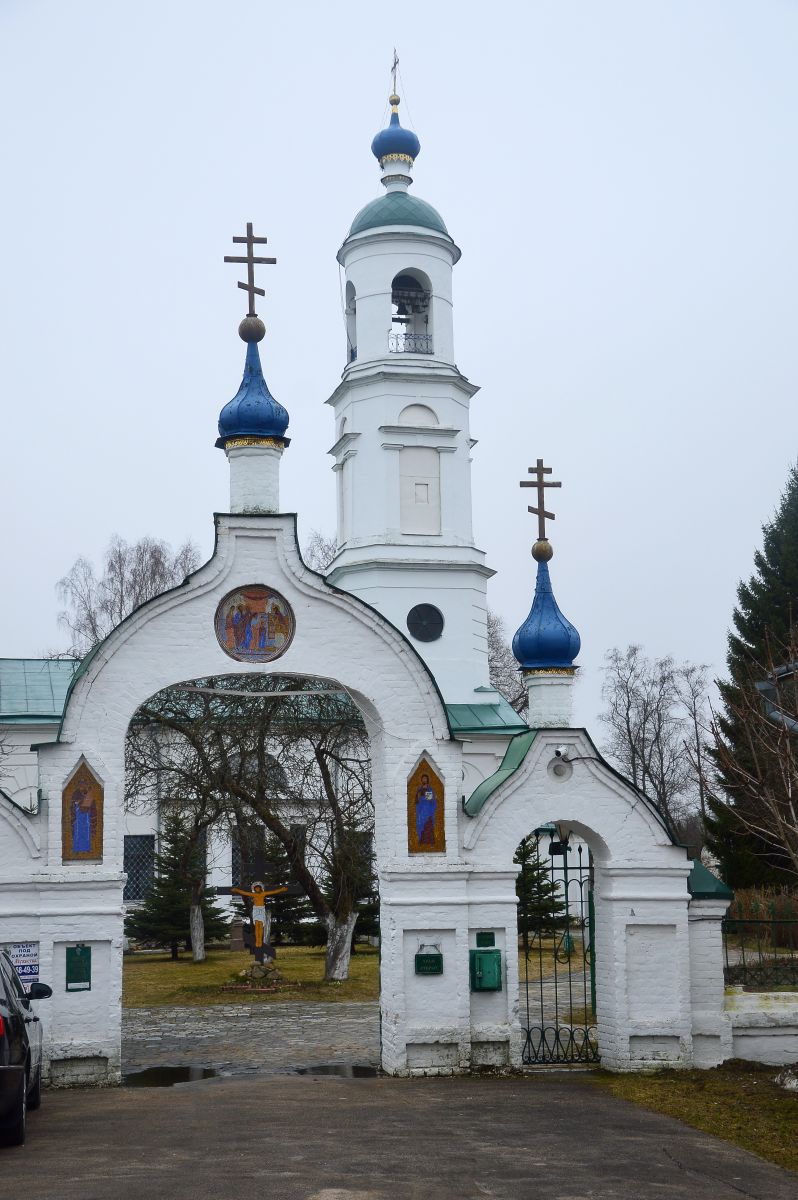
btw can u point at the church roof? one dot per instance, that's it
(398, 208)
(497, 717)
(34, 689)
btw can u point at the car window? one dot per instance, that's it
(12, 980)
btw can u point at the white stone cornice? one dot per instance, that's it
(420, 435)
(415, 235)
(387, 370)
(346, 441)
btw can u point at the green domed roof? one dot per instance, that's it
(398, 208)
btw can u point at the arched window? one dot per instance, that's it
(411, 313)
(350, 312)
(418, 414)
(419, 490)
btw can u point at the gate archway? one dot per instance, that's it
(177, 636)
(557, 941)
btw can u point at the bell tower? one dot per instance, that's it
(403, 445)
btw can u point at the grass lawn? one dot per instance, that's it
(737, 1101)
(153, 979)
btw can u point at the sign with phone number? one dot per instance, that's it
(25, 957)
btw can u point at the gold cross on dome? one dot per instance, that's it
(250, 241)
(541, 484)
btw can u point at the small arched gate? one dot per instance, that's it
(556, 927)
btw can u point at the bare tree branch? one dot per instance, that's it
(131, 574)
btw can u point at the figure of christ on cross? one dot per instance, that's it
(258, 895)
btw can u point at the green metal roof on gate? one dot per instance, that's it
(496, 717)
(514, 755)
(703, 885)
(34, 688)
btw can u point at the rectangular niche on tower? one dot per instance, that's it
(420, 490)
(82, 817)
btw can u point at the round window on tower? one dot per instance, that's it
(425, 622)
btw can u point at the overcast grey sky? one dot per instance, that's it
(621, 178)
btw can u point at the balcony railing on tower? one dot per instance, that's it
(401, 341)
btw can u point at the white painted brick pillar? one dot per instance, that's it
(254, 478)
(712, 1027)
(642, 967)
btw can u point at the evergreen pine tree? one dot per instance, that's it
(766, 610)
(540, 902)
(163, 917)
(287, 911)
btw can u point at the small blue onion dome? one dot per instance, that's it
(546, 639)
(394, 139)
(253, 411)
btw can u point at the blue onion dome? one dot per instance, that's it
(395, 140)
(253, 412)
(547, 640)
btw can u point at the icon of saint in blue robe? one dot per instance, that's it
(83, 817)
(426, 808)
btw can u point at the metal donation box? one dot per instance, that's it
(485, 965)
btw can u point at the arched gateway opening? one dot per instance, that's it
(272, 774)
(556, 942)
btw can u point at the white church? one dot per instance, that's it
(400, 624)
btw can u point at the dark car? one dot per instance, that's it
(20, 1051)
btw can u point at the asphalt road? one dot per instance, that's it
(311, 1138)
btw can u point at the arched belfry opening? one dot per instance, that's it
(411, 314)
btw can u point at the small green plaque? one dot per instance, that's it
(78, 968)
(486, 939)
(429, 963)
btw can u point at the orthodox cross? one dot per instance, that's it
(394, 69)
(541, 484)
(250, 241)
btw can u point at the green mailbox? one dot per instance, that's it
(485, 970)
(78, 968)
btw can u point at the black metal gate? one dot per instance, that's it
(556, 944)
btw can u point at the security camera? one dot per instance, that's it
(561, 752)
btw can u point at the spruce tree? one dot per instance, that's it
(763, 621)
(540, 902)
(288, 912)
(163, 917)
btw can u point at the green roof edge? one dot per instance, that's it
(703, 885)
(514, 755)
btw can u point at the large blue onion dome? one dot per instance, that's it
(394, 140)
(547, 640)
(398, 208)
(253, 412)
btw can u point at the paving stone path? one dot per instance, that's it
(239, 1038)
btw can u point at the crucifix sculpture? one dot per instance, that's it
(259, 891)
(250, 241)
(541, 484)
